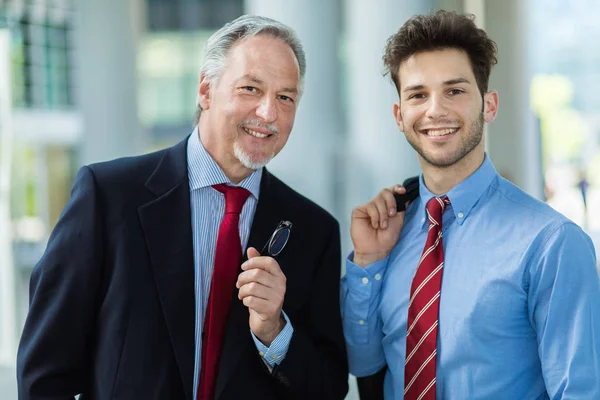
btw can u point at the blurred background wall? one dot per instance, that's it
(89, 80)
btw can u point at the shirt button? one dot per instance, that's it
(422, 219)
(460, 215)
(261, 353)
(365, 280)
(362, 322)
(274, 357)
(377, 277)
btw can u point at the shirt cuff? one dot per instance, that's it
(275, 354)
(361, 292)
(365, 280)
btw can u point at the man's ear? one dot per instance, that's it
(490, 106)
(398, 116)
(204, 93)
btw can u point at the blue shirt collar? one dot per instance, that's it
(464, 195)
(203, 171)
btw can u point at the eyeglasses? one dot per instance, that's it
(278, 240)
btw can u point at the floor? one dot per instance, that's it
(8, 384)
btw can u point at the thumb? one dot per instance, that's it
(252, 252)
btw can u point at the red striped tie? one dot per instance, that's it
(423, 307)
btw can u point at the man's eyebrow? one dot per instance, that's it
(456, 81)
(413, 88)
(251, 78)
(449, 82)
(289, 90)
(258, 81)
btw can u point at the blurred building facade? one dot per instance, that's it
(95, 80)
(39, 133)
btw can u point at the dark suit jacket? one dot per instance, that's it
(112, 299)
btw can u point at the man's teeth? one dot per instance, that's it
(254, 133)
(440, 132)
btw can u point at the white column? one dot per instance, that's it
(477, 8)
(513, 140)
(107, 33)
(8, 322)
(378, 153)
(309, 161)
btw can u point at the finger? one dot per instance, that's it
(257, 290)
(379, 203)
(360, 212)
(373, 213)
(265, 263)
(252, 252)
(259, 305)
(390, 201)
(260, 276)
(399, 189)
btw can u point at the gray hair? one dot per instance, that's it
(246, 26)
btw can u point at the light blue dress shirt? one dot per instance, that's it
(208, 208)
(519, 314)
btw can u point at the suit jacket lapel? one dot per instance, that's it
(237, 332)
(166, 222)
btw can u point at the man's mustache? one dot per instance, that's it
(254, 122)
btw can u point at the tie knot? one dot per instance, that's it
(436, 207)
(235, 197)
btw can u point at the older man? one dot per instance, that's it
(145, 292)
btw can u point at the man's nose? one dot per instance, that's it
(267, 110)
(436, 107)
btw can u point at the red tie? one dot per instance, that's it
(228, 257)
(423, 308)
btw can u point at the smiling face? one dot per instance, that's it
(248, 113)
(441, 110)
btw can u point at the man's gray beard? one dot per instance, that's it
(245, 158)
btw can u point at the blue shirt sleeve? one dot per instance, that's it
(564, 309)
(360, 296)
(276, 353)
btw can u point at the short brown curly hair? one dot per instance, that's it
(441, 30)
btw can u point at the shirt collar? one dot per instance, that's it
(204, 171)
(464, 195)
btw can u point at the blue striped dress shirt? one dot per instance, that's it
(208, 209)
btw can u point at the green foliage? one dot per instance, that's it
(563, 128)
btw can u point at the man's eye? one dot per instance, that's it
(249, 88)
(417, 96)
(286, 98)
(456, 91)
